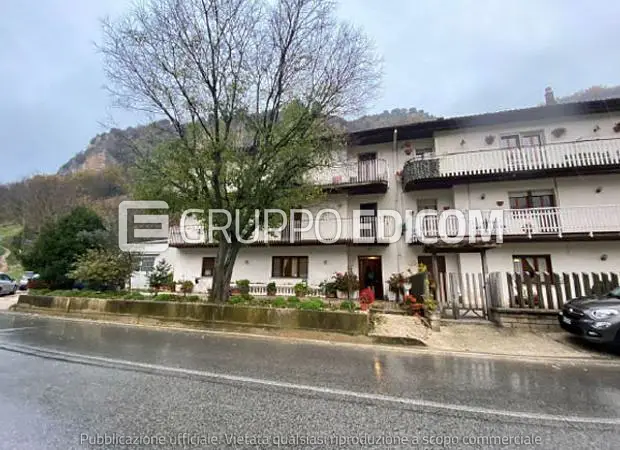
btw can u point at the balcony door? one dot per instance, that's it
(429, 223)
(368, 220)
(536, 210)
(523, 150)
(366, 167)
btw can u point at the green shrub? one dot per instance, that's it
(240, 299)
(292, 301)
(192, 298)
(279, 302)
(243, 286)
(133, 296)
(301, 289)
(164, 297)
(187, 287)
(272, 288)
(313, 304)
(348, 305)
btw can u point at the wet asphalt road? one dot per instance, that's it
(64, 384)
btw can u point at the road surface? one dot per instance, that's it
(67, 384)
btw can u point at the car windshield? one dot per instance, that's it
(615, 293)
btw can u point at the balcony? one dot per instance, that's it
(362, 231)
(561, 159)
(577, 223)
(354, 177)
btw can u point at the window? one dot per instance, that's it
(289, 267)
(208, 264)
(427, 203)
(532, 264)
(532, 199)
(423, 152)
(144, 263)
(528, 139)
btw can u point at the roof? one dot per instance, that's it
(427, 129)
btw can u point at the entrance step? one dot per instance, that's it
(399, 329)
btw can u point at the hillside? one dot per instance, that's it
(592, 93)
(117, 147)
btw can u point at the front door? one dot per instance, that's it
(371, 274)
(441, 268)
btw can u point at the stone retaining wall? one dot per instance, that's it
(534, 319)
(202, 313)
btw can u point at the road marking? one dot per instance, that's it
(106, 362)
(9, 330)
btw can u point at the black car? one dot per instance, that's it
(595, 318)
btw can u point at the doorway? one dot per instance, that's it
(366, 167)
(371, 274)
(427, 260)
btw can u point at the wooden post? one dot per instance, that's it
(485, 280)
(435, 272)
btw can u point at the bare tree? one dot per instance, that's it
(250, 87)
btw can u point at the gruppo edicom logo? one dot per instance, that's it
(327, 226)
(151, 240)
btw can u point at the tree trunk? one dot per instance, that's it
(222, 272)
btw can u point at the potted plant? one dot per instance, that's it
(243, 287)
(329, 289)
(396, 285)
(347, 284)
(412, 306)
(367, 298)
(271, 289)
(432, 313)
(301, 289)
(187, 287)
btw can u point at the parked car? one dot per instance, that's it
(595, 318)
(26, 278)
(7, 284)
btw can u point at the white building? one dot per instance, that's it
(554, 170)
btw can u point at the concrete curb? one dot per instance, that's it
(406, 347)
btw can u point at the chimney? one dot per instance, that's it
(549, 97)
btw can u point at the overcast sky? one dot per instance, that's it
(447, 57)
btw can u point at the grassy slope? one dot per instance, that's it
(7, 231)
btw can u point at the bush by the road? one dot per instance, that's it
(60, 243)
(124, 295)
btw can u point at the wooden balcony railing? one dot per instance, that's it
(352, 172)
(365, 230)
(566, 155)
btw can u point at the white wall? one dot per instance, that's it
(577, 128)
(565, 256)
(254, 263)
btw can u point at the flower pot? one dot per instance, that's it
(435, 320)
(341, 294)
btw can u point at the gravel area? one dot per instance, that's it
(482, 338)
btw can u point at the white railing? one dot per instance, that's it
(352, 172)
(591, 153)
(530, 222)
(365, 229)
(281, 290)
